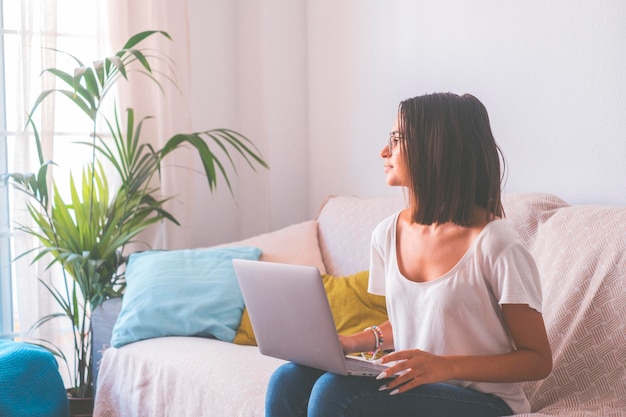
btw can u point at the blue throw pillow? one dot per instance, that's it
(190, 292)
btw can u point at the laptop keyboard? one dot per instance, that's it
(363, 366)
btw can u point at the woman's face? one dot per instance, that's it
(394, 158)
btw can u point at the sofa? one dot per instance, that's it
(581, 254)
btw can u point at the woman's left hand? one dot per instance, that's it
(413, 368)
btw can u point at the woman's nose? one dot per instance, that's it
(384, 152)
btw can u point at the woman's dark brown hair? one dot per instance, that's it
(453, 160)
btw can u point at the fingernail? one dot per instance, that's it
(382, 375)
(394, 392)
(384, 387)
(378, 361)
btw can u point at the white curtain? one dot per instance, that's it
(241, 65)
(169, 108)
(38, 30)
(36, 19)
(38, 33)
(242, 79)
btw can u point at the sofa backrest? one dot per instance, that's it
(581, 255)
(345, 225)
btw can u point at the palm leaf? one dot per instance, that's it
(139, 37)
(91, 81)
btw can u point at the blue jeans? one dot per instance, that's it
(296, 390)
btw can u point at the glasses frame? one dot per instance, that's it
(394, 140)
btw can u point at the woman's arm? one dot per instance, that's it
(365, 341)
(532, 360)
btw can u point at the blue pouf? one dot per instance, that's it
(30, 383)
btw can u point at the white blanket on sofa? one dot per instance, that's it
(151, 371)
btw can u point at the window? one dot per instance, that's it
(6, 315)
(29, 29)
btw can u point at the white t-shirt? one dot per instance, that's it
(459, 313)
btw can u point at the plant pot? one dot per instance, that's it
(81, 407)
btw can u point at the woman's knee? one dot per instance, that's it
(291, 374)
(337, 395)
(282, 373)
(289, 389)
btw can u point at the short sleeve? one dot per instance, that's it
(513, 274)
(381, 248)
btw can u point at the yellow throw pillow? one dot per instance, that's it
(245, 335)
(353, 308)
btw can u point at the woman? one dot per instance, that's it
(463, 293)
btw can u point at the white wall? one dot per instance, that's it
(552, 75)
(248, 69)
(316, 84)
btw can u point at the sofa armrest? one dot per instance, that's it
(102, 321)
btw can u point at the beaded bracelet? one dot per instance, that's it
(378, 335)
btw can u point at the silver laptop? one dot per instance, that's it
(291, 317)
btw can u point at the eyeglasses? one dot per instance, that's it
(394, 139)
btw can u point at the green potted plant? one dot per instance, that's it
(86, 231)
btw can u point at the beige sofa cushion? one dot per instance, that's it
(581, 253)
(296, 244)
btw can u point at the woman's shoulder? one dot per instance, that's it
(387, 226)
(389, 221)
(500, 226)
(497, 236)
